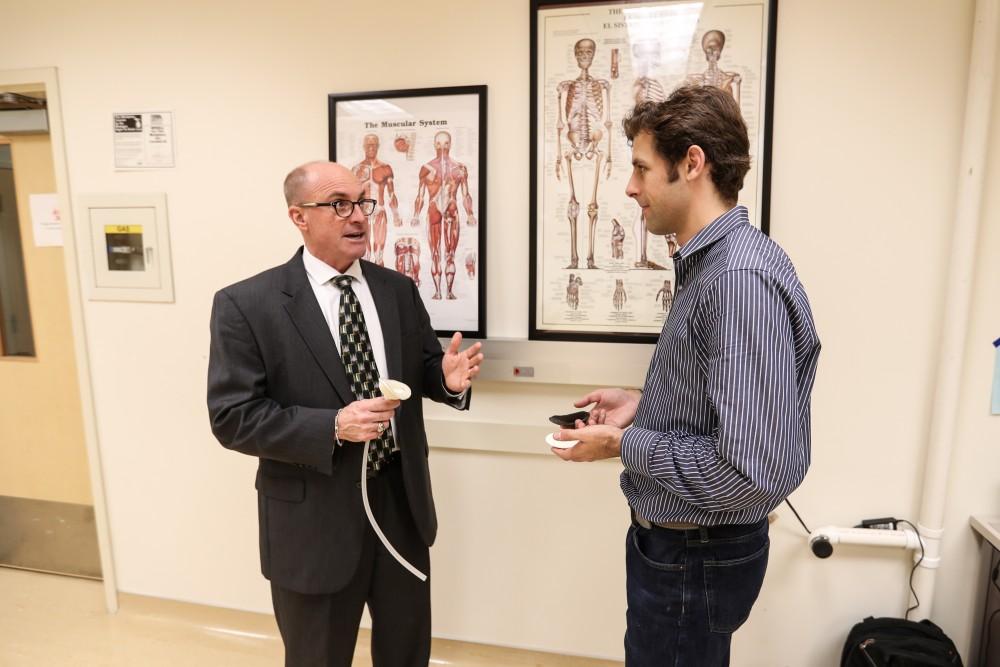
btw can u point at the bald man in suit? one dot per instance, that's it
(283, 385)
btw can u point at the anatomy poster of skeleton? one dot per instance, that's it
(597, 274)
(421, 155)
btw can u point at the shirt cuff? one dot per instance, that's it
(459, 397)
(637, 447)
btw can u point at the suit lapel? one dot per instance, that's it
(308, 319)
(388, 315)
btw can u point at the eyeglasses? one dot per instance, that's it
(345, 207)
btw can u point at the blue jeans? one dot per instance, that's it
(689, 590)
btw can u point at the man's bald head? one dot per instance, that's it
(330, 237)
(298, 179)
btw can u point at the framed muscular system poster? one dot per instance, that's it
(421, 155)
(596, 274)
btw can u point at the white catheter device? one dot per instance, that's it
(397, 391)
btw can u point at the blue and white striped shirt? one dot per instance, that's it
(722, 431)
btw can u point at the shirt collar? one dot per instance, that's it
(714, 231)
(321, 273)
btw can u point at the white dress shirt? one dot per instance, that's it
(327, 293)
(321, 277)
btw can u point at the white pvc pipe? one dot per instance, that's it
(904, 538)
(958, 294)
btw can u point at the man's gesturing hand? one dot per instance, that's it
(460, 367)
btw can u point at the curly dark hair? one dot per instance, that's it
(701, 116)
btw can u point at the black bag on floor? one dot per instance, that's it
(894, 642)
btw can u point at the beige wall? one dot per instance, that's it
(42, 454)
(974, 483)
(868, 113)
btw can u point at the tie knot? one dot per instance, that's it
(342, 281)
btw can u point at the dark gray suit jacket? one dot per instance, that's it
(275, 384)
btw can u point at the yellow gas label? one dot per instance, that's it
(123, 229)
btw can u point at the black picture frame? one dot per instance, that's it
(757, 79)
(413, 119)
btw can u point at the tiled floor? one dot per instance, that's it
(52, 621)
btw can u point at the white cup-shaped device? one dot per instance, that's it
(394, 389)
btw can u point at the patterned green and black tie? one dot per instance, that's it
(359, 362)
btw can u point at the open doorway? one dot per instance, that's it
(52, 514)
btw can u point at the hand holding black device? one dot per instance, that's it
(569, 421)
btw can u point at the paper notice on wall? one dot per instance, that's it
(996, 377)
(144, 140)
(45, 219)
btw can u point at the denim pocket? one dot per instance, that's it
(732, 587)
(658, 554)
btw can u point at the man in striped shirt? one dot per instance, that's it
(720, 433)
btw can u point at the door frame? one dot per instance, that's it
(3, 142)
(48, 78)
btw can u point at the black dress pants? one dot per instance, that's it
(322, 630)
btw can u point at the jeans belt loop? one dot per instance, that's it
(703, 534)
